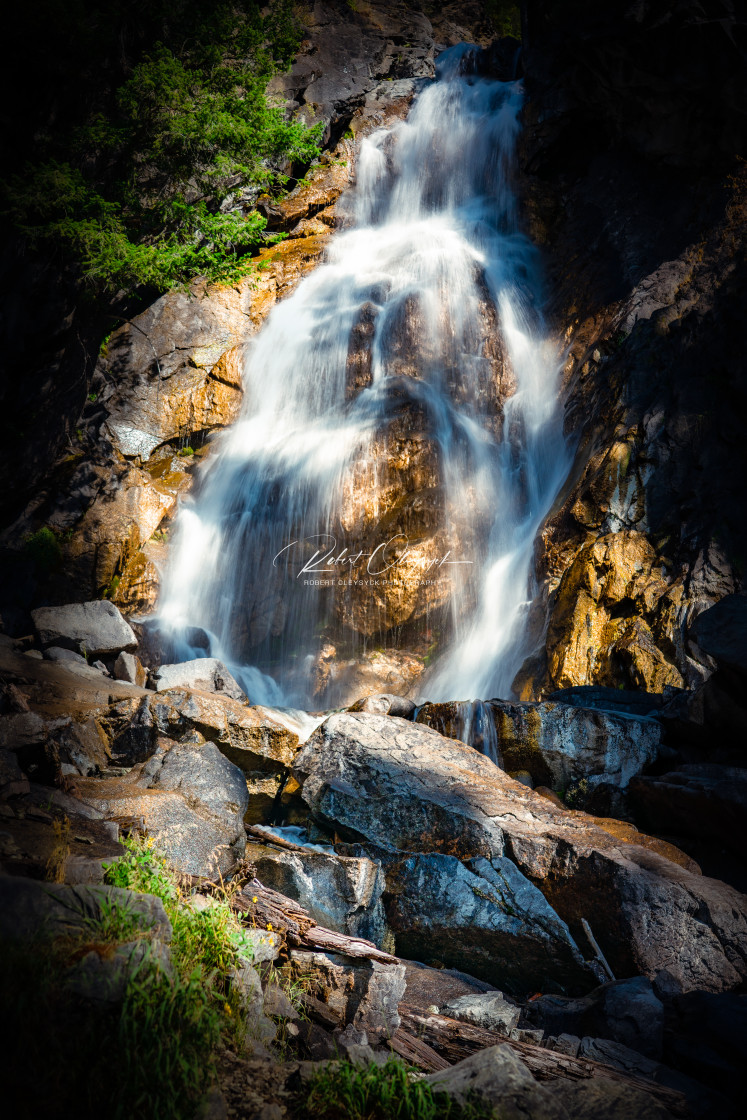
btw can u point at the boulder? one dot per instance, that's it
(625, 1011)
(559, 744)
(102, 978)
(13, 781)
(600, 1098)
(29, 908)
(386, 704)
(129, 668)
(700, 800)
(428, 987)
(406, 788)
(342, 893)
(489, 1010)
(482, 916)
(57, 653)
(188, 797)
(499, 1078)
(96, 628)
(248, 737)
(205, 673)
(365, 994)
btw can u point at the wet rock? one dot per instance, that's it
(205, 673)
(188, 797)
(342, 893)
(29, 908)
(483, 916)
(403, 786)
(129, 668)
(386, 705)
(490, 1011)
(96, 628)
(363, 994)
(559, 744)
(499, 1078)
(622, 700)
(339, 683)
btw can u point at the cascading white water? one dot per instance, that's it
(435, 226)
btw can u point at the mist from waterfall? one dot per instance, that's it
(432, 223)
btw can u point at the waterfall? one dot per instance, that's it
(418, 346)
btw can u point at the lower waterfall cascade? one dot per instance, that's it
(432, 269)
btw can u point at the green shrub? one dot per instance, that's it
(344, 1091)
(135, 192)
(43, 549)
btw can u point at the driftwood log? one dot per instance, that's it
(452, 1040)
(299, 928)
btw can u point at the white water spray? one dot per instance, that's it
(434, 229)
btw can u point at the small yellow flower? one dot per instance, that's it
(269, 925)
(254, 899)
(150, 842)
(227, 1008)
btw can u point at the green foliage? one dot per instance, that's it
(43, 549)
(186, 452)
(343, 1091)
(168, 1032)
(505, 17)
(147, 190)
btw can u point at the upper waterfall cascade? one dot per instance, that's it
(433, 273)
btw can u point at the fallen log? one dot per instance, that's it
(268, 909)
(454, 1040)
(416, 1052)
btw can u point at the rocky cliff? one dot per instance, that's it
(635, 132)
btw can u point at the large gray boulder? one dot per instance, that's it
(206, 673)
(96, 628)
(342, 893)
(484, 917)
(560, 744)
(406, 788)
(188, 797)
(498, 1077)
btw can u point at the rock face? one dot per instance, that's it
(645, 254)
(559, 744)
(406, 788)
(188, 797)
(96, 628)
